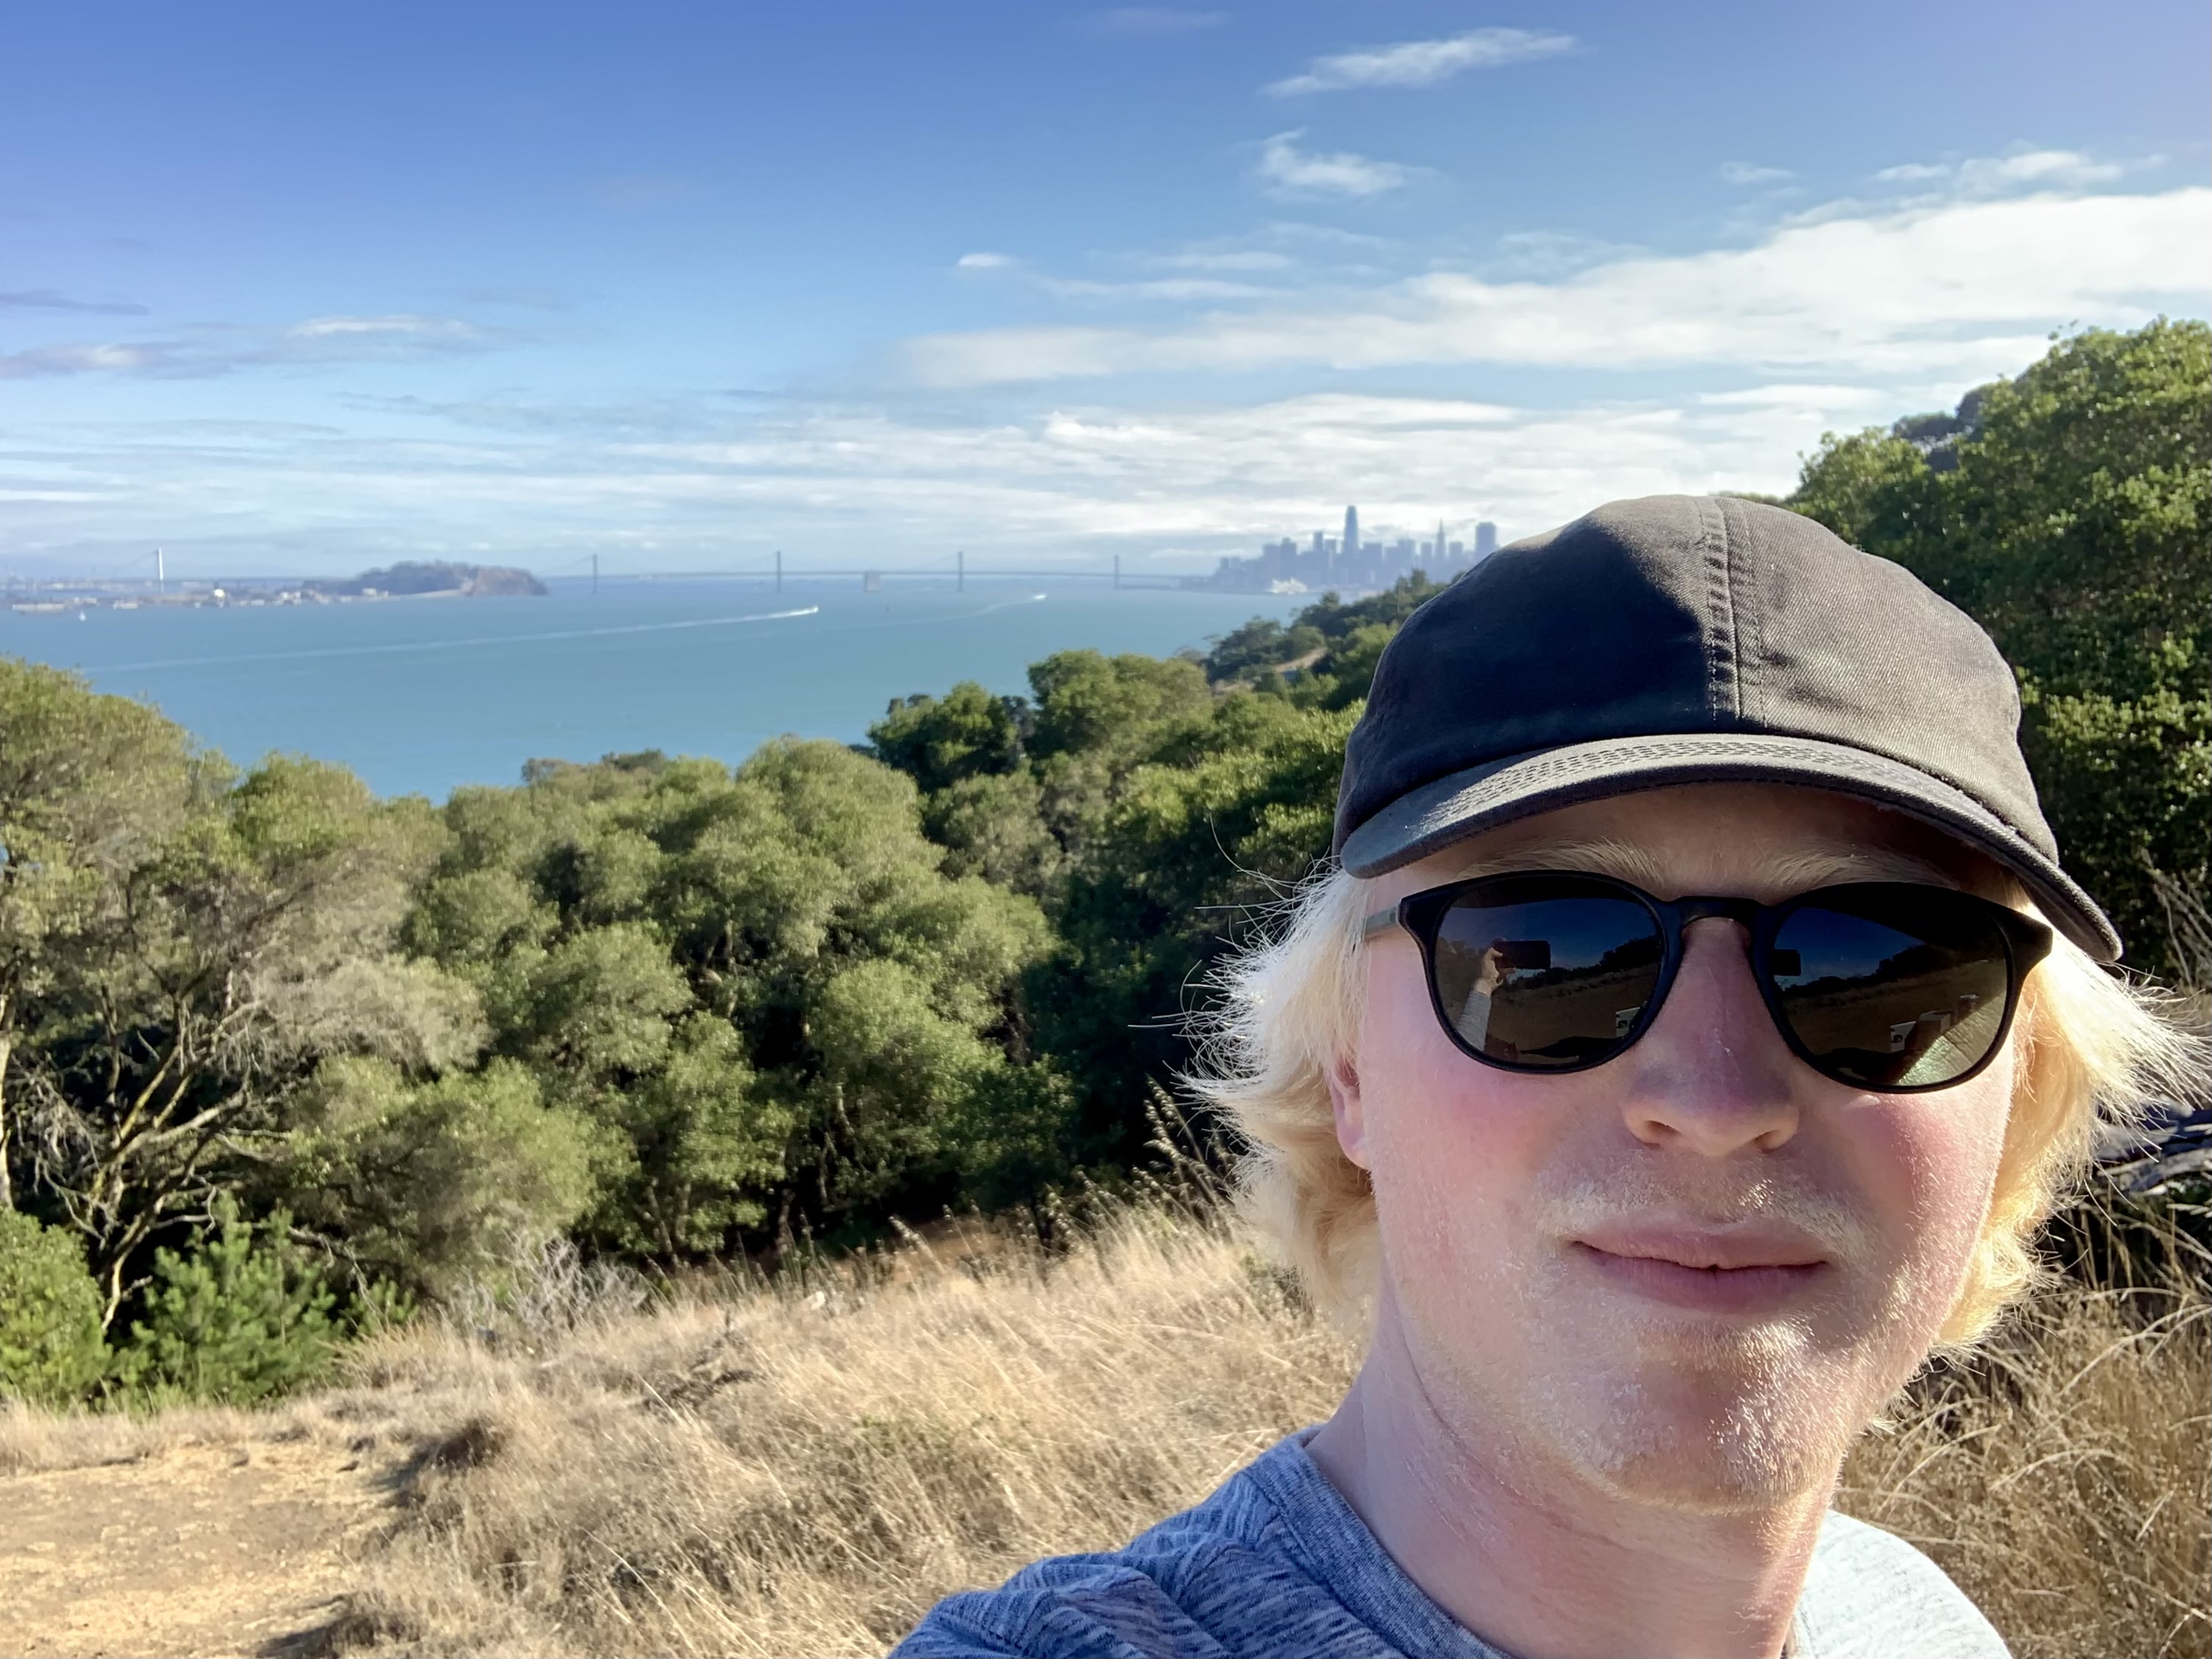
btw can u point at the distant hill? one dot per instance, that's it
(438, 576)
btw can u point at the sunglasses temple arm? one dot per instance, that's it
(1381, 921)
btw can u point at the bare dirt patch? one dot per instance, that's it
(242, 1548)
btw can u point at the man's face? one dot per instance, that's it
(1550, 1243)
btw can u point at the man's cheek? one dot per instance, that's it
(1928, 1163)
(1933, 1159)
(1452, 1170)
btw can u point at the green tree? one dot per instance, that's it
(1211, 830)
(234, 1317)
(255, 940)
(994, 826)
(1090, 704)
(425, 1182)
(938, 741)
(179, 946)
(706, 1147)
(51, 1347)
(1257, 651)
(676, 952)
(91, 787)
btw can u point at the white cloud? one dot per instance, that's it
(41, 361)
(1552, 253)
(1172, 289)
(401, 326)
(1964, 288)
(1227, 259)
(1286, 170)
(1070, 480)
(2034, 169)
(1421, 62)
(401, 337)
(1747, 173)
(1181, 288)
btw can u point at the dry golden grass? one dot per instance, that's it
(2061, 1478)
(804, 1470)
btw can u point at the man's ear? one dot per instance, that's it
(1350, 1108)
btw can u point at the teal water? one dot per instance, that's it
(420, 695)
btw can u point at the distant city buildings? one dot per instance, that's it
(1349, 563)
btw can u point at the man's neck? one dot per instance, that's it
(1546, 1569)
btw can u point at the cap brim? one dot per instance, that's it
(1433, 816)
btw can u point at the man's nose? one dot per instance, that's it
(1712, 1075)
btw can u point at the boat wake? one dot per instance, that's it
(1008, 604)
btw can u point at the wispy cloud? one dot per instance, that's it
(1961, 287)
(1249, 258)
(408, 327)
(1747, 173)
(1168, 289)
(1421, 62)
(2033, 169)
(1552, 253)
(393, 337)
(46, 299)
(1286, 170)
(1179, 287)
(1147, 22)
(1068, 480)
(38, 362)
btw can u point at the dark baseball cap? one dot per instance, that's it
(1682, 639)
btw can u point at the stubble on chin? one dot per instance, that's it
(1715, 1415)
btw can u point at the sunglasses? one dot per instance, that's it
(1884, 985)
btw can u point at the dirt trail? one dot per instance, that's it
(195, 1549)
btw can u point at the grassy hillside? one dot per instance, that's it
(804, 1466)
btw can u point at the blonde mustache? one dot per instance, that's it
(1717, 1202)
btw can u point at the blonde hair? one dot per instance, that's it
(2093, 1047)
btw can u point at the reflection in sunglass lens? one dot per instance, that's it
(1890, 989)
(1546, 971)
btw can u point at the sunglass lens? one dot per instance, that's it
(1545, 972)
(1892, 987)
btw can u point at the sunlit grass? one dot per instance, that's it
(805, 1469)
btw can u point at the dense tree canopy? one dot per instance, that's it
(277, 1056)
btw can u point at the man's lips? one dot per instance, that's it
(1729, 1270)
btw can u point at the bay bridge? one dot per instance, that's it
(148, 573)
(956, 570)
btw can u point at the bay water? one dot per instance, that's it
(420, 695)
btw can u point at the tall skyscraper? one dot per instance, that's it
(1485, 540)
(1351, 531)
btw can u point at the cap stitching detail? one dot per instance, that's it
(1721, 709)
(1751, 613)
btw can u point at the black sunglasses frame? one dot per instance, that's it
(2027, 942)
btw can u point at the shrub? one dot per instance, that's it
(234, 1319)
(51, 1347)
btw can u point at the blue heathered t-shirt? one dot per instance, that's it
(1276, 1563)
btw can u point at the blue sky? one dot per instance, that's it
(305, 288)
